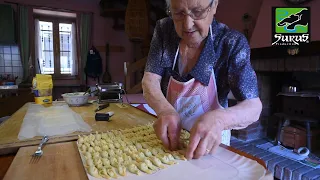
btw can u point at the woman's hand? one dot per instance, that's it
(205, 135)
(168, 128)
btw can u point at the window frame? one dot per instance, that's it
(56, 43)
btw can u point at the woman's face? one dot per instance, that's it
(192, 28)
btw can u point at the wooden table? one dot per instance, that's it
(283, 117)
(6, 161)
(125, 116)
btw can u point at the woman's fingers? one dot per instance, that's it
(193, 144)
(164, 136)
(173, 136)
(216, 145)
(201, 148)
(161, 132)
(211, 141)
(202, 143)
(168, 128)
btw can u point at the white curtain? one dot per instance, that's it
(38, 47)
(74, 62)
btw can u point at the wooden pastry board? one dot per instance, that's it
(59, 161)
(124, 117)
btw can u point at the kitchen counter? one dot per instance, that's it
(124, 117)
(12, 99)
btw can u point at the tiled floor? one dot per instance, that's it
(281, 167)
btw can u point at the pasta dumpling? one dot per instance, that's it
(138, 146)
(133, 148)
(106, 162)
(97, 136)
(91, 150)
(122, 144)
(143, 167)
(122, 170)
(80, 140)
(118, 152)
(104, 154)
(165, 159)
(112, 173)
(96, 155)
(84, 148)
(138, 150)
(97, 162)
(150, 165)
(117, 145)
(133, 169)
(87, 144)
(111, 146)
(92, 144)
(104, 136)
(91, 137)
(105, 147)
(114, 162)
(88, 155)
(178, 156)
(147, 152)
(145, 145)
(97, 149)
(89, 162)
(156, 161)
(104, 173)
(93, 171)
(120, 159)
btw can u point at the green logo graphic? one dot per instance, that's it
(291, 20)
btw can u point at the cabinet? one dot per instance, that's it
(10, 104)
(7, 25)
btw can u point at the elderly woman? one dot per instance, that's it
(193, 64)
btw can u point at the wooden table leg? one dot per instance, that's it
(279, 130)
(5, 162)
(308, 135)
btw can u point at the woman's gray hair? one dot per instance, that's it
(168, 2)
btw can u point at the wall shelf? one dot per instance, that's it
(116, 12)
(311, 49)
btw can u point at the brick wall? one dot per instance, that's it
(259, 128)
(288, 64)
(272, 73)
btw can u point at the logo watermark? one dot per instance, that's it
(290, 26)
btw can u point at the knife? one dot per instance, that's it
(102, 107)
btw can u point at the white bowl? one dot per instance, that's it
(76, 98)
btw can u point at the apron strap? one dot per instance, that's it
(211, 32)
(175, 58)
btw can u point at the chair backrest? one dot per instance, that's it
(129, 71)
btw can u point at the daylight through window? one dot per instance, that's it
(56, 47)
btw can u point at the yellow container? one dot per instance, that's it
(43, 100)
(42, 89)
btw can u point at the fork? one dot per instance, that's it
(37, 155)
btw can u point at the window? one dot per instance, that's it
(10, 63)
(55, 46)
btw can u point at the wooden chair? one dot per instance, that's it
(129, 71)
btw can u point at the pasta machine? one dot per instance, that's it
(108, 93)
